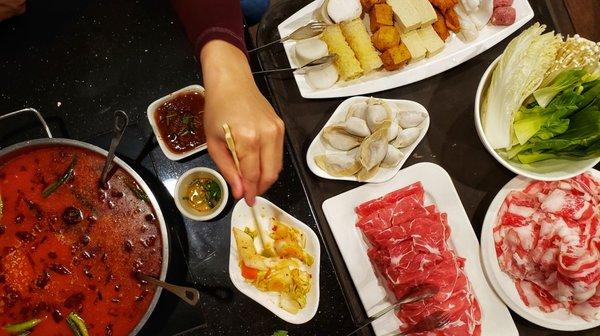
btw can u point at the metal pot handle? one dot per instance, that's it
(38, 114)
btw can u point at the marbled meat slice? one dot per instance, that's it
(409, 248)
(414, 190)
(547, 239)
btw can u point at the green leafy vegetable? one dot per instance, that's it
(517, 75)
(77, 325)
(580, 141)
(137, 191)
(23, 326)
(280, 333)
(544, 123)
(213, 193)
(62, 180)
(566, 80)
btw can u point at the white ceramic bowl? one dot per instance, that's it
(180, 191)
(151, 113)
(547, 170)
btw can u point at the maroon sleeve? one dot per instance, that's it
(207, 20)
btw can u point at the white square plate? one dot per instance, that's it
(241, 218)
(439, 190)
(317, 146)
(455, 52)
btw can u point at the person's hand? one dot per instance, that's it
(10, 8)
(233, 98)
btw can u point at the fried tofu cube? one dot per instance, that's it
(440, 26)
(381, 15)
(444, 5)
(385, 38)
(368, 4)
(395, 57)
(452, 21)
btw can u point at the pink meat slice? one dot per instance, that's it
(414, 190)
(547, 239)
(408, 248)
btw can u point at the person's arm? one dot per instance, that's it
(215, 27)
(10, 8)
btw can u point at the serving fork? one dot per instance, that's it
(319, 63)
(309, 30)
(434, 321)
(417, 293)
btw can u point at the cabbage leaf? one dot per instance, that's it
(517, 75)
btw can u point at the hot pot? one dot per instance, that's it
(22, 147)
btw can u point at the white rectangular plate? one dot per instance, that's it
(241, 218)
(317, 146)
(439, 190)
(454, 53)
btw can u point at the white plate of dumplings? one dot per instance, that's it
(367, 139)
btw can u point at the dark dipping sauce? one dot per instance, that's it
(180, 122)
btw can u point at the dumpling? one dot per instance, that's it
(374, 148)
(337, 137)
(411, 118)
(358, 110)
(392, 158)
(338, 164)
(378, 112)
(406, 137)
(393, 131)
(357, 126)
(365, 174)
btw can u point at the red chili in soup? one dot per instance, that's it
(76, 248)
(180, 121)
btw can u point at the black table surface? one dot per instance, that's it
(451, 140)
(77, 61)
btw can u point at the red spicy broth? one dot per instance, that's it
(76, 250)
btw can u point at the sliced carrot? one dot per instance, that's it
(249, 272)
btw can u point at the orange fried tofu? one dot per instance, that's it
(381, 15)
(368, 4)
(395, 57)
(385, 38)
(452, 21)
(443, 5)
(440, 26)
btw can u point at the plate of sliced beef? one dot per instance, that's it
(411, 231)
(540, 245)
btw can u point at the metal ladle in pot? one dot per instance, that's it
(121, 122)
(188, 294)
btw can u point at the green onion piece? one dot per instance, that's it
(137, 191)
(23, 326)
(213, 193)
(77, 325)
(65, 176)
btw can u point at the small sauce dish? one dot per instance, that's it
(201, 194)
(177, 122)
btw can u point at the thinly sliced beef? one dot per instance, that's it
(547, 239)
(409, 248)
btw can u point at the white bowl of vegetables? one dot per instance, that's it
(537, 107)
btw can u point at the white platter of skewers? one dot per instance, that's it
(383, 44)
(367, 139)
